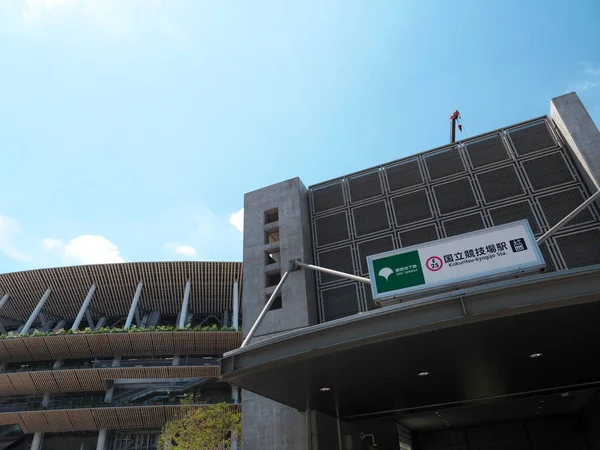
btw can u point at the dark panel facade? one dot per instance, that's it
(520, 172)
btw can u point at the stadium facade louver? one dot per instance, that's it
(503, 364)
(100, 356)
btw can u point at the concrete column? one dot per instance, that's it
(101, 321)
(134, 304)
(184, 306)
(116, 361)
(57, 364)
(226, 318)
(36, 444)
(35, 312)
(46, 400)
(101, 443)
(3, 367)
(580, 133)
(3, 300)
(60, 324)
(235, 394)
(236, 306)
(176, 360)
(109, 394)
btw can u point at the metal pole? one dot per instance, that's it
(35, 312)
(236, 306)
(548, 234)
(333, 272)
(4, 300)
(133, 308)
(263, 313)
(184, 306)
(84, 307)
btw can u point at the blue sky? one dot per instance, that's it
(130, 129)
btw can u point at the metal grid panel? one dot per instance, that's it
(557, 205)
(531, 138)
(332, 229)
(489, 180)
(373, 247)
(500, 184)
(340, 302)
(403, 175)
(371, 218)
(548, 171)
(455, 196)
(464, 224)
(365, 186)
(549, 258)
(337, 259)
(580, 248)
(486, 151)
(411, 207)
(513, 212)
(444, 163)
(328, 197)
(418, 235)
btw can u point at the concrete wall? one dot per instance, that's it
(580, 133)
(268, 425)
(299, 302)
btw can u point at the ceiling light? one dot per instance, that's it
(325, 389)
(535, 355)
(541, 401)
(437, 412)
(423, 374)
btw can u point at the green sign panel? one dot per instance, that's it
(398, 272)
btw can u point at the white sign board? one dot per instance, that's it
(488, 253)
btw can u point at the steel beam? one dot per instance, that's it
(4, 299)
(35, 312)
(84, 307)
(331, 272)
(134, 305)
(263, 313)
(552, 231)
(185, 304)
(236, 306)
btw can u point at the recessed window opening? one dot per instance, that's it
(273, 257)
(271, 236)
(272, 215)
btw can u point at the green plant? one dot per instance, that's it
(213, 427)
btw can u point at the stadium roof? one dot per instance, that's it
(164, 284)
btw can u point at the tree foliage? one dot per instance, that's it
(213, 427)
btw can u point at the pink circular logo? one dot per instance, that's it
(434, 263)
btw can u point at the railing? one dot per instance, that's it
(97, 401)
(108, 363)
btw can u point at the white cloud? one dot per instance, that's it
(185, 250)
(9, 230)
(34, 9)
(51, 244)
(590, 79)
(92, 249)
(237, 219)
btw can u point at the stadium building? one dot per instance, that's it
(100, 356)
(505, 364)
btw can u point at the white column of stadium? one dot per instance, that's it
(182, 317)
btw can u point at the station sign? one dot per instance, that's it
(485, 254)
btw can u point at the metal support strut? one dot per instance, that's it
(548, 234)
(263, 313)
(299, 263)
